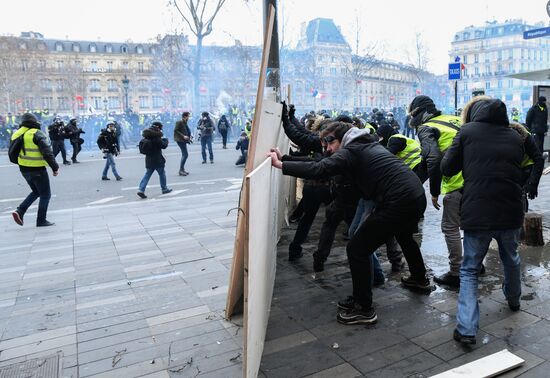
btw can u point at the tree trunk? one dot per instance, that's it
(532, 230)
(197, 78)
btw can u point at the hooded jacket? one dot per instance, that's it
(537, 118)
(154, 159)
(489, 154)
(374, 171)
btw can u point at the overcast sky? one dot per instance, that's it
(389, 25)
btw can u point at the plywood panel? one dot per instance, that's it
(489, 366)
(260, 260)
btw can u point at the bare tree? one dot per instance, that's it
(200, 24)
(418, 57)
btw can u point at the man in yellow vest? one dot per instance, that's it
(436, 132)
(34, 157)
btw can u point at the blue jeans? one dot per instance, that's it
(184, 155)
(364, 208)
(40, 185)
(110, 162)
(476, 244)
(206, 141)
(147, 176)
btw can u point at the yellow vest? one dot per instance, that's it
(411, 154)
(448, 127)
(370, 127)
(32, 157)
(527, 161)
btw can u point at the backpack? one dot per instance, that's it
(144, 146)
(16, 146)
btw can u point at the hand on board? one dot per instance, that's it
(275, 162)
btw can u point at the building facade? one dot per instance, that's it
(492, 52)
(92, 77)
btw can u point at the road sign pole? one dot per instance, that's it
(456, 97)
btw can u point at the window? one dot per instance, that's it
(63, 103)
(78, 64)
(93, 48)
(143, 102)
(499, 84)
(47, 102)
(476, 58)
(123, 49)
(320, 71)
(41, 65)
(112, 85)
(125, 66)
(58, 46)
(510, 83)
(97, 103)
(29, 102)
(95, 85)
(487, 85)
(333, 71)
(476, 71)
(343, 71)
(108, 48)
(93, 65)
(487, 69)
(24, 65)
(113, 102)
(46, 84)
(140, 67)
(465, 59)
(139, 50)
(76, 47)
(59, 84)
(157, 102)
(60, 65)
(109, 66)
(142, 85)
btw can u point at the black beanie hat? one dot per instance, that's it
(385, 131)
(542, 99)
(157, 124)
(29, 119)
(421, 103)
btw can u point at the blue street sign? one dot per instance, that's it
(536, 33)
(455, 71)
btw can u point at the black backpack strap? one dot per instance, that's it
(443, 123)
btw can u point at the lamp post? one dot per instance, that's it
(105, 108)
(126, 85)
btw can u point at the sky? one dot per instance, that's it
(387, 27)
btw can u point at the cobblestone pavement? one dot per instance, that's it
(138, 289)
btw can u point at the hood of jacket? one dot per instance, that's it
(353, 134)
(487, 110)
(523, 132)
(152, 132)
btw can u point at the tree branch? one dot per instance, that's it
(184, 17)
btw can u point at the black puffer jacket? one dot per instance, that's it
(154, 158)
(373, 170)
(489, 154)
(305, 139)
(537, 118)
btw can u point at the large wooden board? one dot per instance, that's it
(260, 260)
(489, 366)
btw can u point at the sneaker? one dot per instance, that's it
(66, 162)
(358, 315)
(166, 191)
(17, 217)
(119, 178)
(421, 283)
(105, 178)
(470, 340)
(44, 224)
(347, 304)
(141, 195)
(448, 279)
(318, 266)
(204, 161)
(75, 161)
(211, 161)
(295, 256)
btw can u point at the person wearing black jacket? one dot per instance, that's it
(400, 203)
(73, 131)
(223, 128)
(537, 121)
(206, 127)
(154, 161)
(182, 136)
(108, 143)
(58, 133)
(489, 153)
(33, 159)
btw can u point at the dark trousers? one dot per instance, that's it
(206, 140)
(59, 146)
(184, 155)
(313, 197)
(40, 185)
(224, 138)
(341, 209)
(76, 149)
(399, 220)
(409, 131)
(539, 140)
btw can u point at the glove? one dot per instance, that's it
(291, 111)
(532, 191)
(284, 114)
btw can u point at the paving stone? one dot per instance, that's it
(340, 371)
(511, 324)
(436, 337)
(290, 341)
(408, 366)
(540, 371)
(452, 349)
(385, 357)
